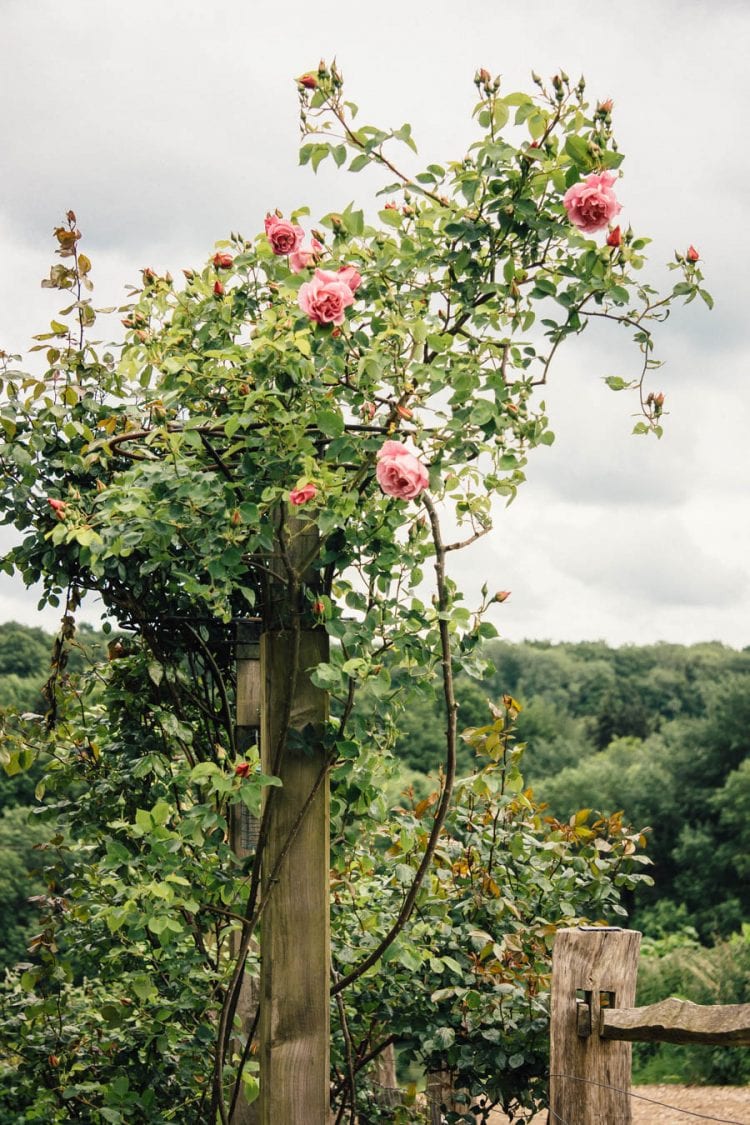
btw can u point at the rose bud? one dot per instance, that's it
(235, 519)
(218, 289)
(391, 206)
(319, 608)
(605, 106)
(368, 410)
(57, 506)
(299, 496)
(692, 254)
(404, 411)
(148, 275)
(189, 274)
(614, 238)
(53, 1060)
(659, 400)
(242, 770)
(309, 81)
(223, 261)
(502, 596)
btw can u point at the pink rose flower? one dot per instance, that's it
(306, 256)
(591, 204)
(352, 278)
(399, 472)
(325, 297)
(284, 236)
(301, 495)
(692, 254)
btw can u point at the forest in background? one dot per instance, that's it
(661, 732)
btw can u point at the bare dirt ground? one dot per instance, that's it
(706, 1103)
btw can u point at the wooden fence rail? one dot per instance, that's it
(593, 1024)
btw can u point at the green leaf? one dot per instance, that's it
(329, 422)
(578, 151)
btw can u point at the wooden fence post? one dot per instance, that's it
(243, 825)
(295, 928)
(593, 968)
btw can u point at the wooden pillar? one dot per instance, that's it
(295, 928)
(243, 825)
(593, 968)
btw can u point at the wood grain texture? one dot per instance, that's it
(680, 1021)
(243, 829)
(295, 932)
(590, 1076)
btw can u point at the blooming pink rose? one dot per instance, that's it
(591, 204)
(284, 236)
(306, 256)
(301, 495)
(325, 297)
(399, 472)
(352, 278)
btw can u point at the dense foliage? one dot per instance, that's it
(284, 435)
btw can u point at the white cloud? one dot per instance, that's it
(167, 125)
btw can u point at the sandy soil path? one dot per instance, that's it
(712, 1103)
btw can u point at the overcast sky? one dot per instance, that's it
(166, 124)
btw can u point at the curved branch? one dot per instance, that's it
(451, 710)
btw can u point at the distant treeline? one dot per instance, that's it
(660, 731)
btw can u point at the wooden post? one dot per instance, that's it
(295, 928)
(593, 969)
(243, 825)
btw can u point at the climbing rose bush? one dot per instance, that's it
(405, 378)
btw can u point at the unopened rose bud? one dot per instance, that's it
(309, 81)
(692, 254)
(319, 608)
(482, 77)
(404, 411)
(53, 1060)
(335, 332)
(502, 596)
(148, 276)
(604, 107)
(218, 289)
(242, 769)
(57, 506)
(189, 274)
(222, 261)
(614, 238)
(235, 519)
(142, 335)
(659, 400)
(391, 206)
(368, 410)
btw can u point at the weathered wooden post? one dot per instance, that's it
(243, 825)
(295, 928)
(594, 968)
